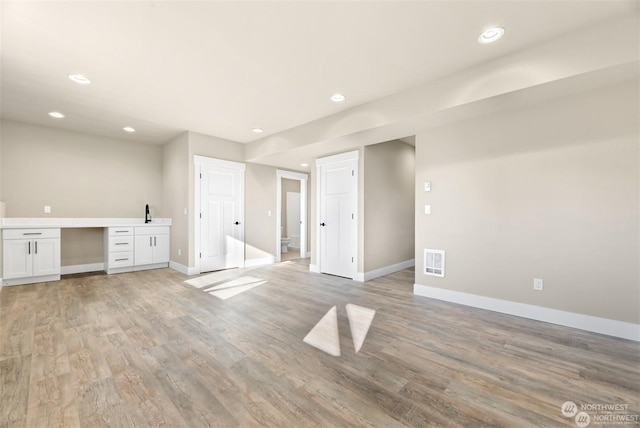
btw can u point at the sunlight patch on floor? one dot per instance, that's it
(325, 335)
(360, 319)
(210, 278)
(234, 287)
(283, 263)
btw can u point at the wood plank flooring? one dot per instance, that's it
(146, 349)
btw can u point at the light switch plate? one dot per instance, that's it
(427, 186)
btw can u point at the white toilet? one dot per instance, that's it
(284, 244)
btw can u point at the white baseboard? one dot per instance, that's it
(359, 277)
(150, 266)
(192, 270)
(377, 273)
(184, 269)
(1, 283)
(260, 262)
(314, 268)
(30, 280)
(90, 267)
(590, 323)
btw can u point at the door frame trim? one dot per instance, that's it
(200, 161)
(353, 155)
(303, 178)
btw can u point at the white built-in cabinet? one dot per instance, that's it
(136, 248)
(151, 245)
(118, 249)
(30, 255)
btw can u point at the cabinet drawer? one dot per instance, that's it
(152, 230)
(120, 243)
(120, 231)
(30, 233)
(120, 259)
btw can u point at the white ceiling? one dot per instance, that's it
(223, 68)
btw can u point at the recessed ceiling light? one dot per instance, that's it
(79, 78)
(56, 114)
(304, 164)
(258, 130)
(491, 35)
(338, 98)
(129, 129)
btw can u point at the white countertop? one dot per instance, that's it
(48, 222)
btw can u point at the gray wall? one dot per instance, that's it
(260, 198)
(386, 203)
(1, 126)
(549, 191)
(78, 175)
(260, 195)
(175, 188)
(88, 176)
(389, 204)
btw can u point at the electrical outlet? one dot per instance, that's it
(538, 284)
(47, 209)
(427, 209)
(427, 186)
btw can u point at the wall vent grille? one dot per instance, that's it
(434, 262)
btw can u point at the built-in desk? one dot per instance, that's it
(31, 246)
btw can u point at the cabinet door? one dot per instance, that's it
(143, 250)
(161, 249)
(46, 257)
(16, 258)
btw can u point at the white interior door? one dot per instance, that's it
(338, 226)
(221, 217)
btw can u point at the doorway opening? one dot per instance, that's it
(291, 216)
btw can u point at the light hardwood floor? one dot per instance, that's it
(291, 254)
(146, 349)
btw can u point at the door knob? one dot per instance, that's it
(322, 224)
(236, 223)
